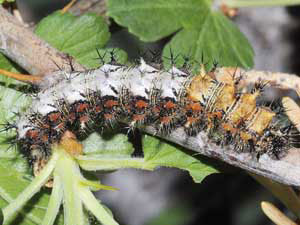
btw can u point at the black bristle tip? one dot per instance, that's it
(7, 126)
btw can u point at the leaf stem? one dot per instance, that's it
(77, 192)
(32, 189)
(259, 3)
(93, 163)
(54, 202)
(95, 207)
(95, 186)
(68, 171)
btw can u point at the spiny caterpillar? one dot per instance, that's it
(82, 102)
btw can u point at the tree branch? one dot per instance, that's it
(283, 81)
(25, 48)
(285, 170)
(96, 6)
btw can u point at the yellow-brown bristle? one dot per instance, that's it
(22, 77)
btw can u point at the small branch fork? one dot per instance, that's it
(28, 50)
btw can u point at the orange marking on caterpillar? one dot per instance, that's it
(108, 116)
(45, 138)
(169, 105)
(84, 119)
(53, 117)
(32, 134)
(140, 104)
(165, 119)
(82, 107)
(137, 117)
(110, 103)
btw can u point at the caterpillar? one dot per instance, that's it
(82, 102)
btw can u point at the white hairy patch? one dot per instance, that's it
(108, 80)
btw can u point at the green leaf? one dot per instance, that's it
(11, 102)
(152, 20)
(217, 39)
(201, 31)
(78, 36)
(159, 153)
(14, 175)
(14, 169)
(108, 145)
(120, 56)
(7, 64)
(12, 184)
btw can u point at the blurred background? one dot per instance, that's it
(169, 196)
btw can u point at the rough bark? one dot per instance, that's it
(39, 58)
(95, 6)
(26, 49)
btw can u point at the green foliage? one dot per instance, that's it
(112, 146)
(117, 146)
(14, 171)
(12, 183)
(159, 153)
(200, 31)
(216, 39)
(11, 101)
(77, 36)
(153, 20)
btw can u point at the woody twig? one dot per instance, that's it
(27, 49)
